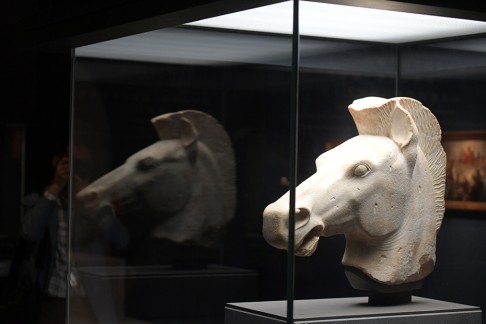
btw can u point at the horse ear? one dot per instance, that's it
(187, 133)
(404, 132)
(165, 127)
(173, 127)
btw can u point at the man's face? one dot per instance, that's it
(82, 167)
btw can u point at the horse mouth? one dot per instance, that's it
(308, 245)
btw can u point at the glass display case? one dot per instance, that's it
(181, 137)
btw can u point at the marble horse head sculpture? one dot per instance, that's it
(383, 189)
(187, 179)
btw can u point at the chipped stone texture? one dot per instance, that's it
(383, 189)
(186, 180)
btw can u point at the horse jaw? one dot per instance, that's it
(408, 254)
(203, 218)
(390, 262)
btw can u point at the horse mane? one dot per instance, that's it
(372, 116)
(213, 135)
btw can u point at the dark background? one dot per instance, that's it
(37, 86)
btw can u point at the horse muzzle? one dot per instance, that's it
(275, 229)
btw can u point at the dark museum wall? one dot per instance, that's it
(36, 94)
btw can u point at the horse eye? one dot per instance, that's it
(361, 170)
(146, 164)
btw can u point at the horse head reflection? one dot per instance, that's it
(186, 179)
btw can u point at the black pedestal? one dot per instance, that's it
(379, 293)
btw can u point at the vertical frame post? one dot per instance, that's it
(293, 152)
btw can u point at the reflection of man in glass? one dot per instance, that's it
(46, 222)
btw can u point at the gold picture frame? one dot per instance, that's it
(466, 170)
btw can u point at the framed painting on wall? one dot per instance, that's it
(466, 170)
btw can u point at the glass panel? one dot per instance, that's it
(333, 74)
(166, 217)
(446, 76)
(449, 78)
(143, 251)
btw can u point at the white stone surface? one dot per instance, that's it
(383, 189)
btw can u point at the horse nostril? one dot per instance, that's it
(302, 217)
